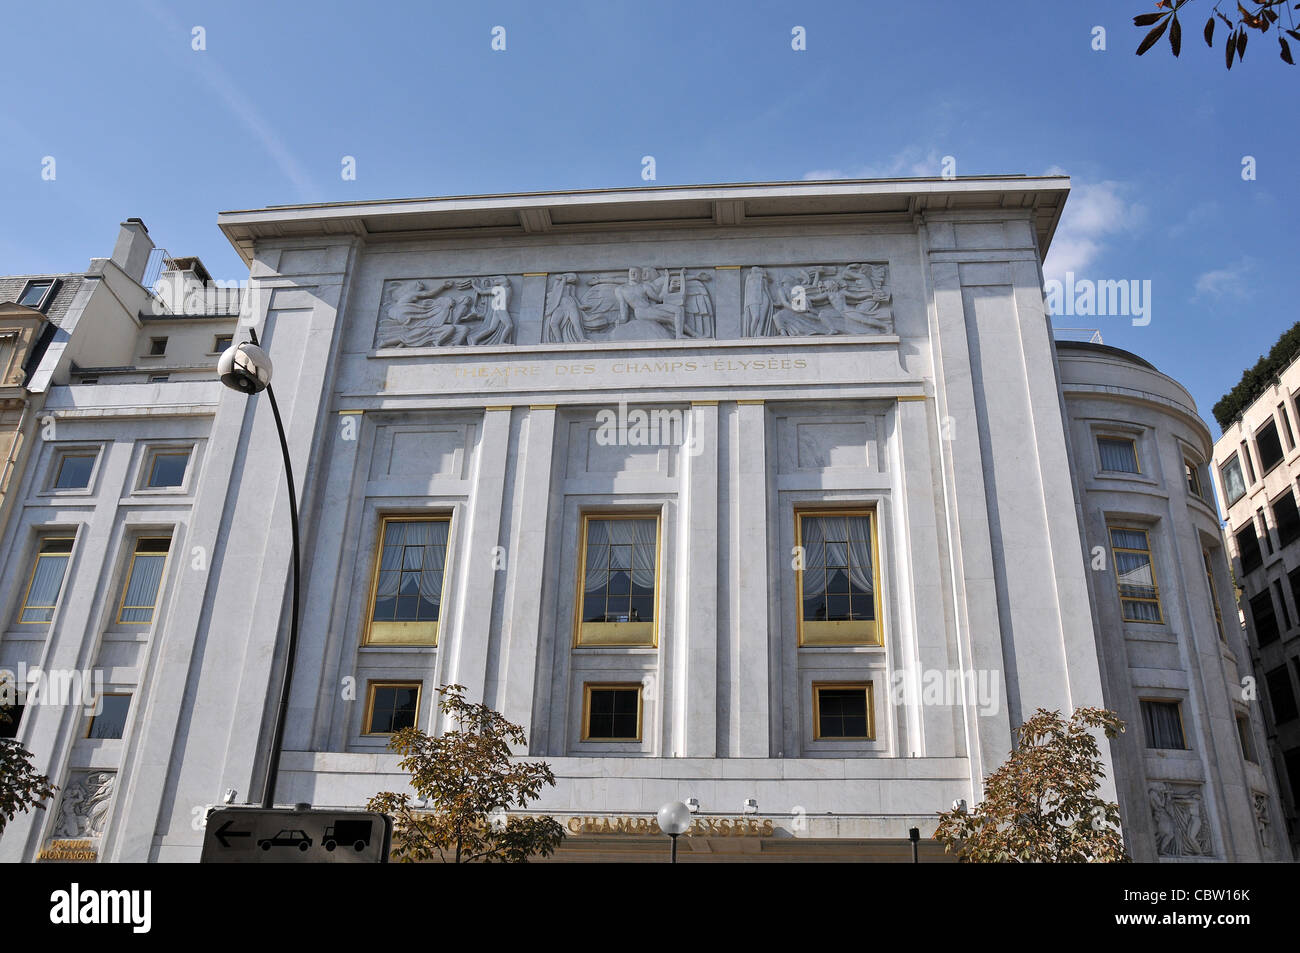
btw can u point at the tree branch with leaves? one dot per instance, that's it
(1042, 805)
(469, 781)
(1263, 18)
(22, 787)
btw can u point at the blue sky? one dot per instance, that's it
(141, 124)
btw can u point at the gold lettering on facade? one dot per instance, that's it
(642, 826)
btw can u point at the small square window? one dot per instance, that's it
(612, 712)
(111, 720)
(843, 712)
(34, 294)
(167, 468)
(157, 347)
(1118, 454)
(158, 379)
(392, 706)
(74, 470)
(1163, 721)
(222, 343)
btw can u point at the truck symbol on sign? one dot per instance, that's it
(354, 833)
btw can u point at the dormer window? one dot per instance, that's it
(36, 293)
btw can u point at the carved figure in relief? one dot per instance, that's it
(450, 312)
(83, 812)
(496, 328)
(648, 303)
(1179, 820)
(563, 320)
(822, 299)
(757, 322)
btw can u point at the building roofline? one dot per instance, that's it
(716, 205)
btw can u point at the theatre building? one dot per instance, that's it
(774, 499)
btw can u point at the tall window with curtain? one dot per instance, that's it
(838, 591)
(617, 594)
(143, 578)
(1138, 593)
(47, 580)
(406, 595)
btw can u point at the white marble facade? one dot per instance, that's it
(875, 345)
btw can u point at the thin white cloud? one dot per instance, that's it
(912, 162)
(1095, 213)
(239, 106)
(1230, 282)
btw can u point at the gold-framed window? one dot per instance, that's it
(46, 581)
(618, 580)
(143, 579)
(406, 589)
(611, 711)
(1135, 575)
(843, 711)
(74, 470)
(166, 469)
(838, 586)
(391, 706)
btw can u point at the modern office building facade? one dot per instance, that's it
(764, 497)
(1257, 464)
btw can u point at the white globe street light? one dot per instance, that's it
(674, 820)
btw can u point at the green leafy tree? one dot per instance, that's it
(22, 787)
(469, 782)
(1262, 17)
(1041, 805)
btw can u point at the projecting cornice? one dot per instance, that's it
(853, 201)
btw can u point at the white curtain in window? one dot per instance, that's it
(47, 580)
(827, 540)
(640, 534)
(1117, 455)
(435, 560)
(142, 587)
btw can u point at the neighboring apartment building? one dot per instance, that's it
(119, 390)
(779, 499)
(1257, 470)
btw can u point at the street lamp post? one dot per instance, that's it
(247, 368)
(674, 820)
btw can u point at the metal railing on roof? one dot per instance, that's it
(1091, 335)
